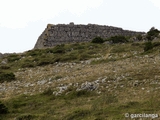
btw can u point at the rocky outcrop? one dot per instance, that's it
(70, 33)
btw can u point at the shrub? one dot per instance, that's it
(155, 44)
(118, 39)
(148, 46)
(139, 37)
(97, 40)
(27, 64)
(152, 33)
(45, 61)
(7, 77)
(84, 56)
(4, 67)
(36, 52)
(59, 49)
(3, 108)
(68, 57)
(13, 57)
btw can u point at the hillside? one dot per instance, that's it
(81, 81)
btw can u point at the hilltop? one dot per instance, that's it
(87, 80)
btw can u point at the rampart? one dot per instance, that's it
(70, 33)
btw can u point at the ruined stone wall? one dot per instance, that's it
(62, 33)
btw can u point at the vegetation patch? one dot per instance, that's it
(82, 93)
(77, 115)
(148, 46)
(13, 57)
(118, 39)
(98, 40)
(26, 117)
(152, 33)
(3, 108)
(6, 76)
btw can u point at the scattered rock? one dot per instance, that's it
(89, 86)
(42, 82)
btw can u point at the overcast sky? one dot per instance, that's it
(22, 21)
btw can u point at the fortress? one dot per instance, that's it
(71, 33)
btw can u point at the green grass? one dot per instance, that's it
(82, 106)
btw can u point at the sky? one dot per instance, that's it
(23, 21)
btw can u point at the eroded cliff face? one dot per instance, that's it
(70, 33)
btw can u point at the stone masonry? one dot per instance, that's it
(71, 33)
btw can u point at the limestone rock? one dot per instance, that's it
(71, 33)
(89, 86)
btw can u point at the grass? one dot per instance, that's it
(63, 53)
(86, 107)
(129, 72)
(60, 53)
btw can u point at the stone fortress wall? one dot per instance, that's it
(70, 33)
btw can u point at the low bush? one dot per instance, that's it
(4, 67)
(36, 52)
(148, 46)
(139, 37)
(3, 108)
(13, 57)
(59, 49)
(155, 44)
(27, 63)
(84, 56)
(118, 39)
(7, 76)
(45, 60)
(152, 33)
(68, 57)
(97, 40)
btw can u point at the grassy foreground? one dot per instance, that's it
(77, 106)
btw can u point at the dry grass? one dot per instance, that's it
(133, 76)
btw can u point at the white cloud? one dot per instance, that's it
(156, 3)
(17, 13)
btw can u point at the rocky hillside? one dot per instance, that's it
(88, 81)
